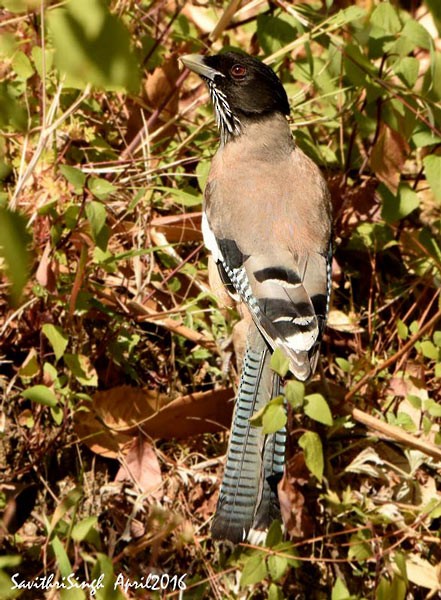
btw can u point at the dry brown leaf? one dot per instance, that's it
(45, 273)
(202, 412)
(422, 573)
(97, 437)
(295, 515)
(179, 228)
(141, 466)
(103, 425)
(388, 156)
(346, 323)
(161, 84)
(160, 94)
(108, 424)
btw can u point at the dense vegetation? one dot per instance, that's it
(118, 364)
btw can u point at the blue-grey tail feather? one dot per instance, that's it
(248, 496)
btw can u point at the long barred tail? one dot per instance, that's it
(248, 496)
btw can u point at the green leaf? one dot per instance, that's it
(182, 197)
(407, 69)
(414, 401)
(347, 15)
(86, 530)
(82, 369)
(14, 242)
(340, 591)
(295, 393)
(43, 61)
(96, 215)
(385, 17)
(104, 567)
(274, 418)
(30, 367)
(402, 330)
(317, 408)
(12, 110)
(429, 350)
(344, 364)
(383, 590)
(202, 171)
(274, 535)
(275, 32)
(16, 6)
(71, 499)
(433, 408)
(62, 559)
(101, 188)
(356, 65)
(417, 34)
(437, 338)
(10, 561)
(423, 136)
(359, 549)
(432, 169)
(279, 362)
(275, 592)
(92, 46)
(57, 339)
(22, 65)
(400, 560)
(8, 45)
(313, 451)
(399, 206)
(74, 176)
(254, 570)
(406, 422)
(277, 566)
(7, 587)
(41, 395)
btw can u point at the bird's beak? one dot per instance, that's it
(196, 63)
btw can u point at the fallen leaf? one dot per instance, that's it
(103, 424)
(141, 466)
(179, 228)
(340, 321)
(202, 412)
(388, 156)
(100, 439)
(422, 573)
(296, 519)
(45, 272)
(161, 87)
(108, 423)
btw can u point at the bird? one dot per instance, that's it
(267, 222)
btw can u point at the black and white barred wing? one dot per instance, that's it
(286, 296)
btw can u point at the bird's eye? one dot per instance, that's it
(238, 71)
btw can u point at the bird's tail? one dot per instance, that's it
(248, 496)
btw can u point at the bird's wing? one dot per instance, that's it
(287, 295)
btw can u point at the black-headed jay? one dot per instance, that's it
(267, 223)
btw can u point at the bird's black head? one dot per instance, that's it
(240, 86)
